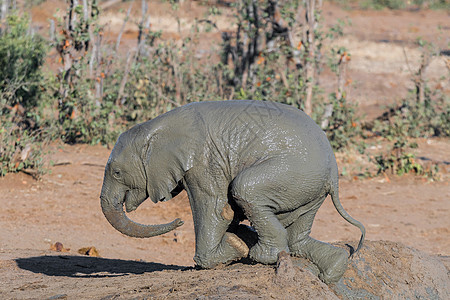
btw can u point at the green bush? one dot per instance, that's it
(272, 82)
(398, 161)
(22, 150)
(84, 91)
(21, 57)
(416, 119)
(169, 76)
(21, 84)
(343, 125)
(82, 117)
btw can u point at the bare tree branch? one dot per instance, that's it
(310, 69)
(122, 29)
(4, 10)
(130, 58)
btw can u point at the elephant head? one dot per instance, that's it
(148, 161)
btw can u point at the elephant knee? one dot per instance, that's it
(241, 188)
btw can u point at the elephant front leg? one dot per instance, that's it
(213, 244)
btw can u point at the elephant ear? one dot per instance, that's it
(169, 154)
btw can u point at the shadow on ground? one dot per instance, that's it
(95, 267)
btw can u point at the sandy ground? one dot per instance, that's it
(64, 206)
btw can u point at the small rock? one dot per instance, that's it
(89, 251)
(59, 247)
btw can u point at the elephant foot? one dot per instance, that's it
(266, 254)
(333, 266)
(331, 261)
(230, 248)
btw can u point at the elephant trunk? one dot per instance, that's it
(114, 213)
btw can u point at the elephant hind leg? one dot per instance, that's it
(331, 260)
(271, 234)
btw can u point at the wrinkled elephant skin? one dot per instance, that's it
(262, 161)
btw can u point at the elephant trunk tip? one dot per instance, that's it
(178, 222)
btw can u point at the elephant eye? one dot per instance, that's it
(116, 173)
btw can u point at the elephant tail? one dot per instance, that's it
(334, 193)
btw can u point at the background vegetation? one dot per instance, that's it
(274, 53)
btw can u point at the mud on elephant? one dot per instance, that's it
(262, 161)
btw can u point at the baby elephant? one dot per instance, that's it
(239, 159)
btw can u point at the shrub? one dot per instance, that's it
(169, 76)
(84, 91)
(22, 150)
(82, 117)
(415, 119)
(342, 126)
(21, 57)
(398, 161)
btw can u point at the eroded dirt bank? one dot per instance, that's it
(381, 270)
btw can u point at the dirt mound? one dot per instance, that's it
(381, 270)
(391, 270)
